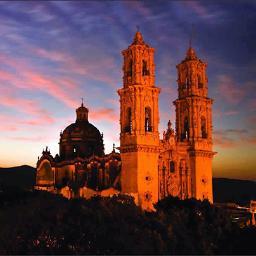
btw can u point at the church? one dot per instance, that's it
(148, 166)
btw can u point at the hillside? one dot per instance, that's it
(20, 176)
(224, 190)
(232, 190)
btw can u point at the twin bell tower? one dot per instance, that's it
(181, 165)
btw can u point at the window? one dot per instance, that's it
(203, 128)
(186, 85)
(172, 166)
(148, 196)
(185, 134)
(129, 72)
(128, 125)
(200, 84)
(145, 71)
(148, 124)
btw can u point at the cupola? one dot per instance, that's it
(82, 113)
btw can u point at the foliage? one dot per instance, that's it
(41, 223)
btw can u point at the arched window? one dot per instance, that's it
(129, 72)
(145, 71)
(148, 121)
(128, 125)
(203, 128)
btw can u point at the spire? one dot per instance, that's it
(191, 54)
(138, 38)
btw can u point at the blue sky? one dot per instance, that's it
(54, 53)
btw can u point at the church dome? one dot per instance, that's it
(81, 139)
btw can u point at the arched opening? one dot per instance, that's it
(148, 121)
(45, 173)
(172, 166)
(65, 179)
(203, 128)
(145, 71)
(186, 85)
(128, 122)
(200, 84)
(185, 135)
(129, 72)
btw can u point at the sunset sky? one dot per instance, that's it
(54, 53)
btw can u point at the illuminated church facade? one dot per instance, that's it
(147, 167)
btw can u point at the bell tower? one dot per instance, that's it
(139, 119)
(194, 122)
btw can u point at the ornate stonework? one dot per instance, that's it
(147, 168)
(192, 145)
(139, 119)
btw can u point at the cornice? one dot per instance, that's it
(140, 148)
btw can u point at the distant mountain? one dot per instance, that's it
(224, 190)
(23, 176)
(232, 190)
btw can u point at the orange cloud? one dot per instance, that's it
(233, 137)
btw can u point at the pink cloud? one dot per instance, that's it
(31, 107)
(231, 113)
(169, 90)
(108, 114)
(8, 127)
(35, 114)
(92, 68)
(30, 79)
(252, 104)
(42, 120)
(29, 139)
(252, 121)
(201, 10)
(197, 8)
(140, 8)
(48, 85)
(6, 76)
(229, 90)
(50, 55)
(7, 123)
